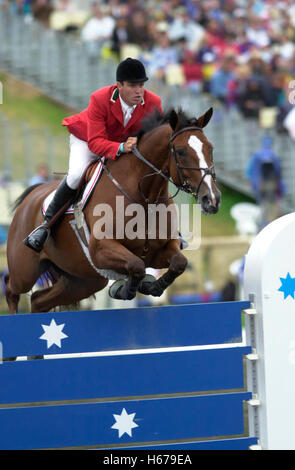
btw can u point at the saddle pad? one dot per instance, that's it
(86, 193)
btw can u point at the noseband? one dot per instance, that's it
(184, 185)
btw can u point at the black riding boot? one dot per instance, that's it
(39, 236)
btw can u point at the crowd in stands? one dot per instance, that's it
(242, 52)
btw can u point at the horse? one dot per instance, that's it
(170, 148)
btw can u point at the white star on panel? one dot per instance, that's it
(124, 423)
(53, 334)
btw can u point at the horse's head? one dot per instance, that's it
(191, 165)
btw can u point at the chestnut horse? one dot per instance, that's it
(173, 148)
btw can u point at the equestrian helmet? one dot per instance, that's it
(131, 70)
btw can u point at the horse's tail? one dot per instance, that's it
(23, 195)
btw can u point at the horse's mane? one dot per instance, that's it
(156, 119)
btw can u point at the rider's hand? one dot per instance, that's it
(127, 147)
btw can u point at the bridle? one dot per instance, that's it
(184, 184)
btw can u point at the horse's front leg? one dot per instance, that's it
(111, 255)
(172, 257)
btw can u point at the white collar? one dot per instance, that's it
(125, 106)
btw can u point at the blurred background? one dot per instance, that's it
(235, 55)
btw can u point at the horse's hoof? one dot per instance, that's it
(156, 290)
(146, 284)
(114, 290)
(119, 290)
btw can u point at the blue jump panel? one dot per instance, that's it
(147, 327)
(122, 376)
(241, 443)
(121, 422)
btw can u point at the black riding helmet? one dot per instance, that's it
(131, 70)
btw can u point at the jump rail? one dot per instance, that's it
(164, 378)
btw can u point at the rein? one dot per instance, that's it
(183, 186)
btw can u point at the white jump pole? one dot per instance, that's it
(269, 283)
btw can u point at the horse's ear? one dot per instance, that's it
(173, 119)
(203, 120)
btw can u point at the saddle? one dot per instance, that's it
(87, 175)
(88, 181)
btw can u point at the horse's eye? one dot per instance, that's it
(181, 152)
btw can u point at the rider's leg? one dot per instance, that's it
(80, 157)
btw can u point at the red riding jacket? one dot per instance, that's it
(101, 124)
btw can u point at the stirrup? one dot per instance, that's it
(37, 243)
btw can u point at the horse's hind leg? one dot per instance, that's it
(66, 291)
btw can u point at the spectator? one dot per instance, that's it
(162, 55)
(183, 27)
(192, 72)
(252, 99)
(257, 34)
(215, 37)
(97, 31)
(119, 36)
(256, 63)
(208, 70)
(265, 164)
(137, 30)
(21, 7)
(205, 51)
(237, 85)
(42, 175)
(221, 78)
(265, 176)
(42, 10)
(285, 47)
(273, 85)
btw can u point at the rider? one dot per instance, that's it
(114, 114)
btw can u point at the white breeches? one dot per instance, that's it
(80, 157)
